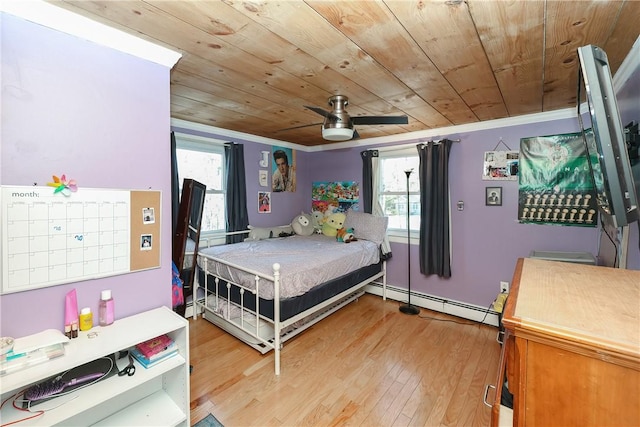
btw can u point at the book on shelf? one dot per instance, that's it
(171, 348)
(155, 346)
(147, 363)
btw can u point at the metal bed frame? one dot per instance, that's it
(248, 327)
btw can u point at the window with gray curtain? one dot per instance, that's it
(371, 192)
(237, 215)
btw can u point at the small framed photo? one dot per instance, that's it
(264, 202)
(493, 196)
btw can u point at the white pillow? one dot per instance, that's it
(367, 226)
(261, 233)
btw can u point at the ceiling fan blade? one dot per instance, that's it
(323, 113)
(380, 120)
(298, 127)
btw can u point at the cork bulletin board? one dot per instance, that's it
(145, 230)
(50, 239)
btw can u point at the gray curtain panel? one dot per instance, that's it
(237, 215)
(367, 178)
(435, 250)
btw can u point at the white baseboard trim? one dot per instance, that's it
(455, 308)
(429, 302)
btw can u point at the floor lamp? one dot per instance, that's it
(408, 308)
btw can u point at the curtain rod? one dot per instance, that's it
(438, 141)
(405, 146)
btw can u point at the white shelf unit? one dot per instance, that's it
(151, 397)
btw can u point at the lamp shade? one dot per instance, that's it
(337, 134)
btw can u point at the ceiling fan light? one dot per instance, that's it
(337, 134)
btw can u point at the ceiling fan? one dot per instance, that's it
(339, 126)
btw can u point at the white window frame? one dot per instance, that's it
(208, 145)
(398, 235)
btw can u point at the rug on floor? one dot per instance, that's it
(208, 421)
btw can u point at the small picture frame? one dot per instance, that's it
(264, 202)
(493, 196)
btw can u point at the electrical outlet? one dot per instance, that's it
(504, 287)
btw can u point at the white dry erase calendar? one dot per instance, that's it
(50, 239)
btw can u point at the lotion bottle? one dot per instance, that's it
(106, 309)
(86, 319)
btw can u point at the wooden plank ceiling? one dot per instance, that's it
(252, 66)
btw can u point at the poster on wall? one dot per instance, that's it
(283, 176)
(555, 181)
(330, 197)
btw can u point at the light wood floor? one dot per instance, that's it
(367, 364)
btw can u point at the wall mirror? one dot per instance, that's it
(187, 236)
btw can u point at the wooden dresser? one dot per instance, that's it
(572, 346)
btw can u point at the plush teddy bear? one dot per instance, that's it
(333, 223)
(346, 235)
(302, 225)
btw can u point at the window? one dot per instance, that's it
(202, 159)
(393, 190)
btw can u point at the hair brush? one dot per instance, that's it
(52, 387)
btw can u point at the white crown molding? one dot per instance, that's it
(233, 135)
(57, 18)
(447, 132)
(566, 113)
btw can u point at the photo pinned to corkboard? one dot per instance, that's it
(148, 215)
(146, 242)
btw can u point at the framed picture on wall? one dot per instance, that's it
(493, 196)
(501, 165)
(264, 202)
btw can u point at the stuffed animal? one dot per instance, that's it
(317, 219)
(261, 233)
(333, 223)
(302, 225)
(346, 235)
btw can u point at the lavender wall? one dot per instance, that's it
(284, 205)
(486, 241)
(99, 116)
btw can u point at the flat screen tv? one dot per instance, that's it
(606, 148)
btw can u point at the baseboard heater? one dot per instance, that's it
(459, 309)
